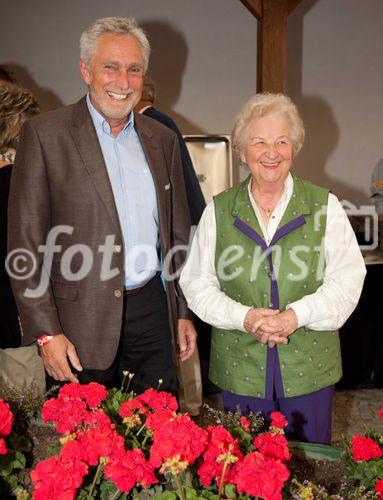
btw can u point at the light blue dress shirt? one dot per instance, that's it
(135, 198)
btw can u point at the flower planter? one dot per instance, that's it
(314, 451)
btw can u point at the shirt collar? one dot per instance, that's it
(287, 193)
(102, 124)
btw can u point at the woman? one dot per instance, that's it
(275, 268)
(16, 105)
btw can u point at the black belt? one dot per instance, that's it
(133, 291)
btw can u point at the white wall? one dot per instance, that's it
(204, 61)
(337, 81)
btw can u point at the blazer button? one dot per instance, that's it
(117, 248)
(117, 293)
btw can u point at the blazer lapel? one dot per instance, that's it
(85, 137)
(156, 161)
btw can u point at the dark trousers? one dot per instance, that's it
(145, 346)
(309, 416)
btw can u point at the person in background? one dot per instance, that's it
(276, 269)
(189, 373)
(16, 105)
(196, 201)
(377, 187)
(102, 187)
(6, 76)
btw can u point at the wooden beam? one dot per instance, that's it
(271, 47)
(255, 7)
(291, 4)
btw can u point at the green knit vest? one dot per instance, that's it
(311, 360)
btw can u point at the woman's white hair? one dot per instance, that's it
(262, 105)
(117, 25)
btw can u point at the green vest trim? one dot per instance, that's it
(311, 360)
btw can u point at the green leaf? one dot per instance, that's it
(191, 493)
(82, 494)
(230, 491)
(208, 494)
(153, 491)
(167, 495)
(20, 443)
(12, 460)
(54, 449)
(12, 481)
(107, 489)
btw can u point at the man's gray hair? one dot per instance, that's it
(117, 25)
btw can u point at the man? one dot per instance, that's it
(98, 200)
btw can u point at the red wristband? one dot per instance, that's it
(44, 340)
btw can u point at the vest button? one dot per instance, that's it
(117, 293)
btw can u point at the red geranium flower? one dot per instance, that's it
(70, 391)
(98, 418)
(259, 476)
(99, 442)
(127, 468)
(379, 487)
(364, 449)
(245, 422)
(72, 450)
(128, 408)
(3, 447)
(57, 479)
(67, 415)
(278, 420)
(98, 438)
(273, 445)
(6, 418)
(93, 393)
(158, 401)
(221, 448)
(180, 439)
(381, 413)
(150, 400)
(159, 418)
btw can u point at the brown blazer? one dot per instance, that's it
(60, 178)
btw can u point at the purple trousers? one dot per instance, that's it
(309, 416)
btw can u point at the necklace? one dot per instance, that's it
(268, 211)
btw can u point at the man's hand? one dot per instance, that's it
(257, 323)
(55, 357)
(187, 338)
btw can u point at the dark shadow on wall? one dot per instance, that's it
(167, 65)
(46, 98)
(322, 131)
(322, 137)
